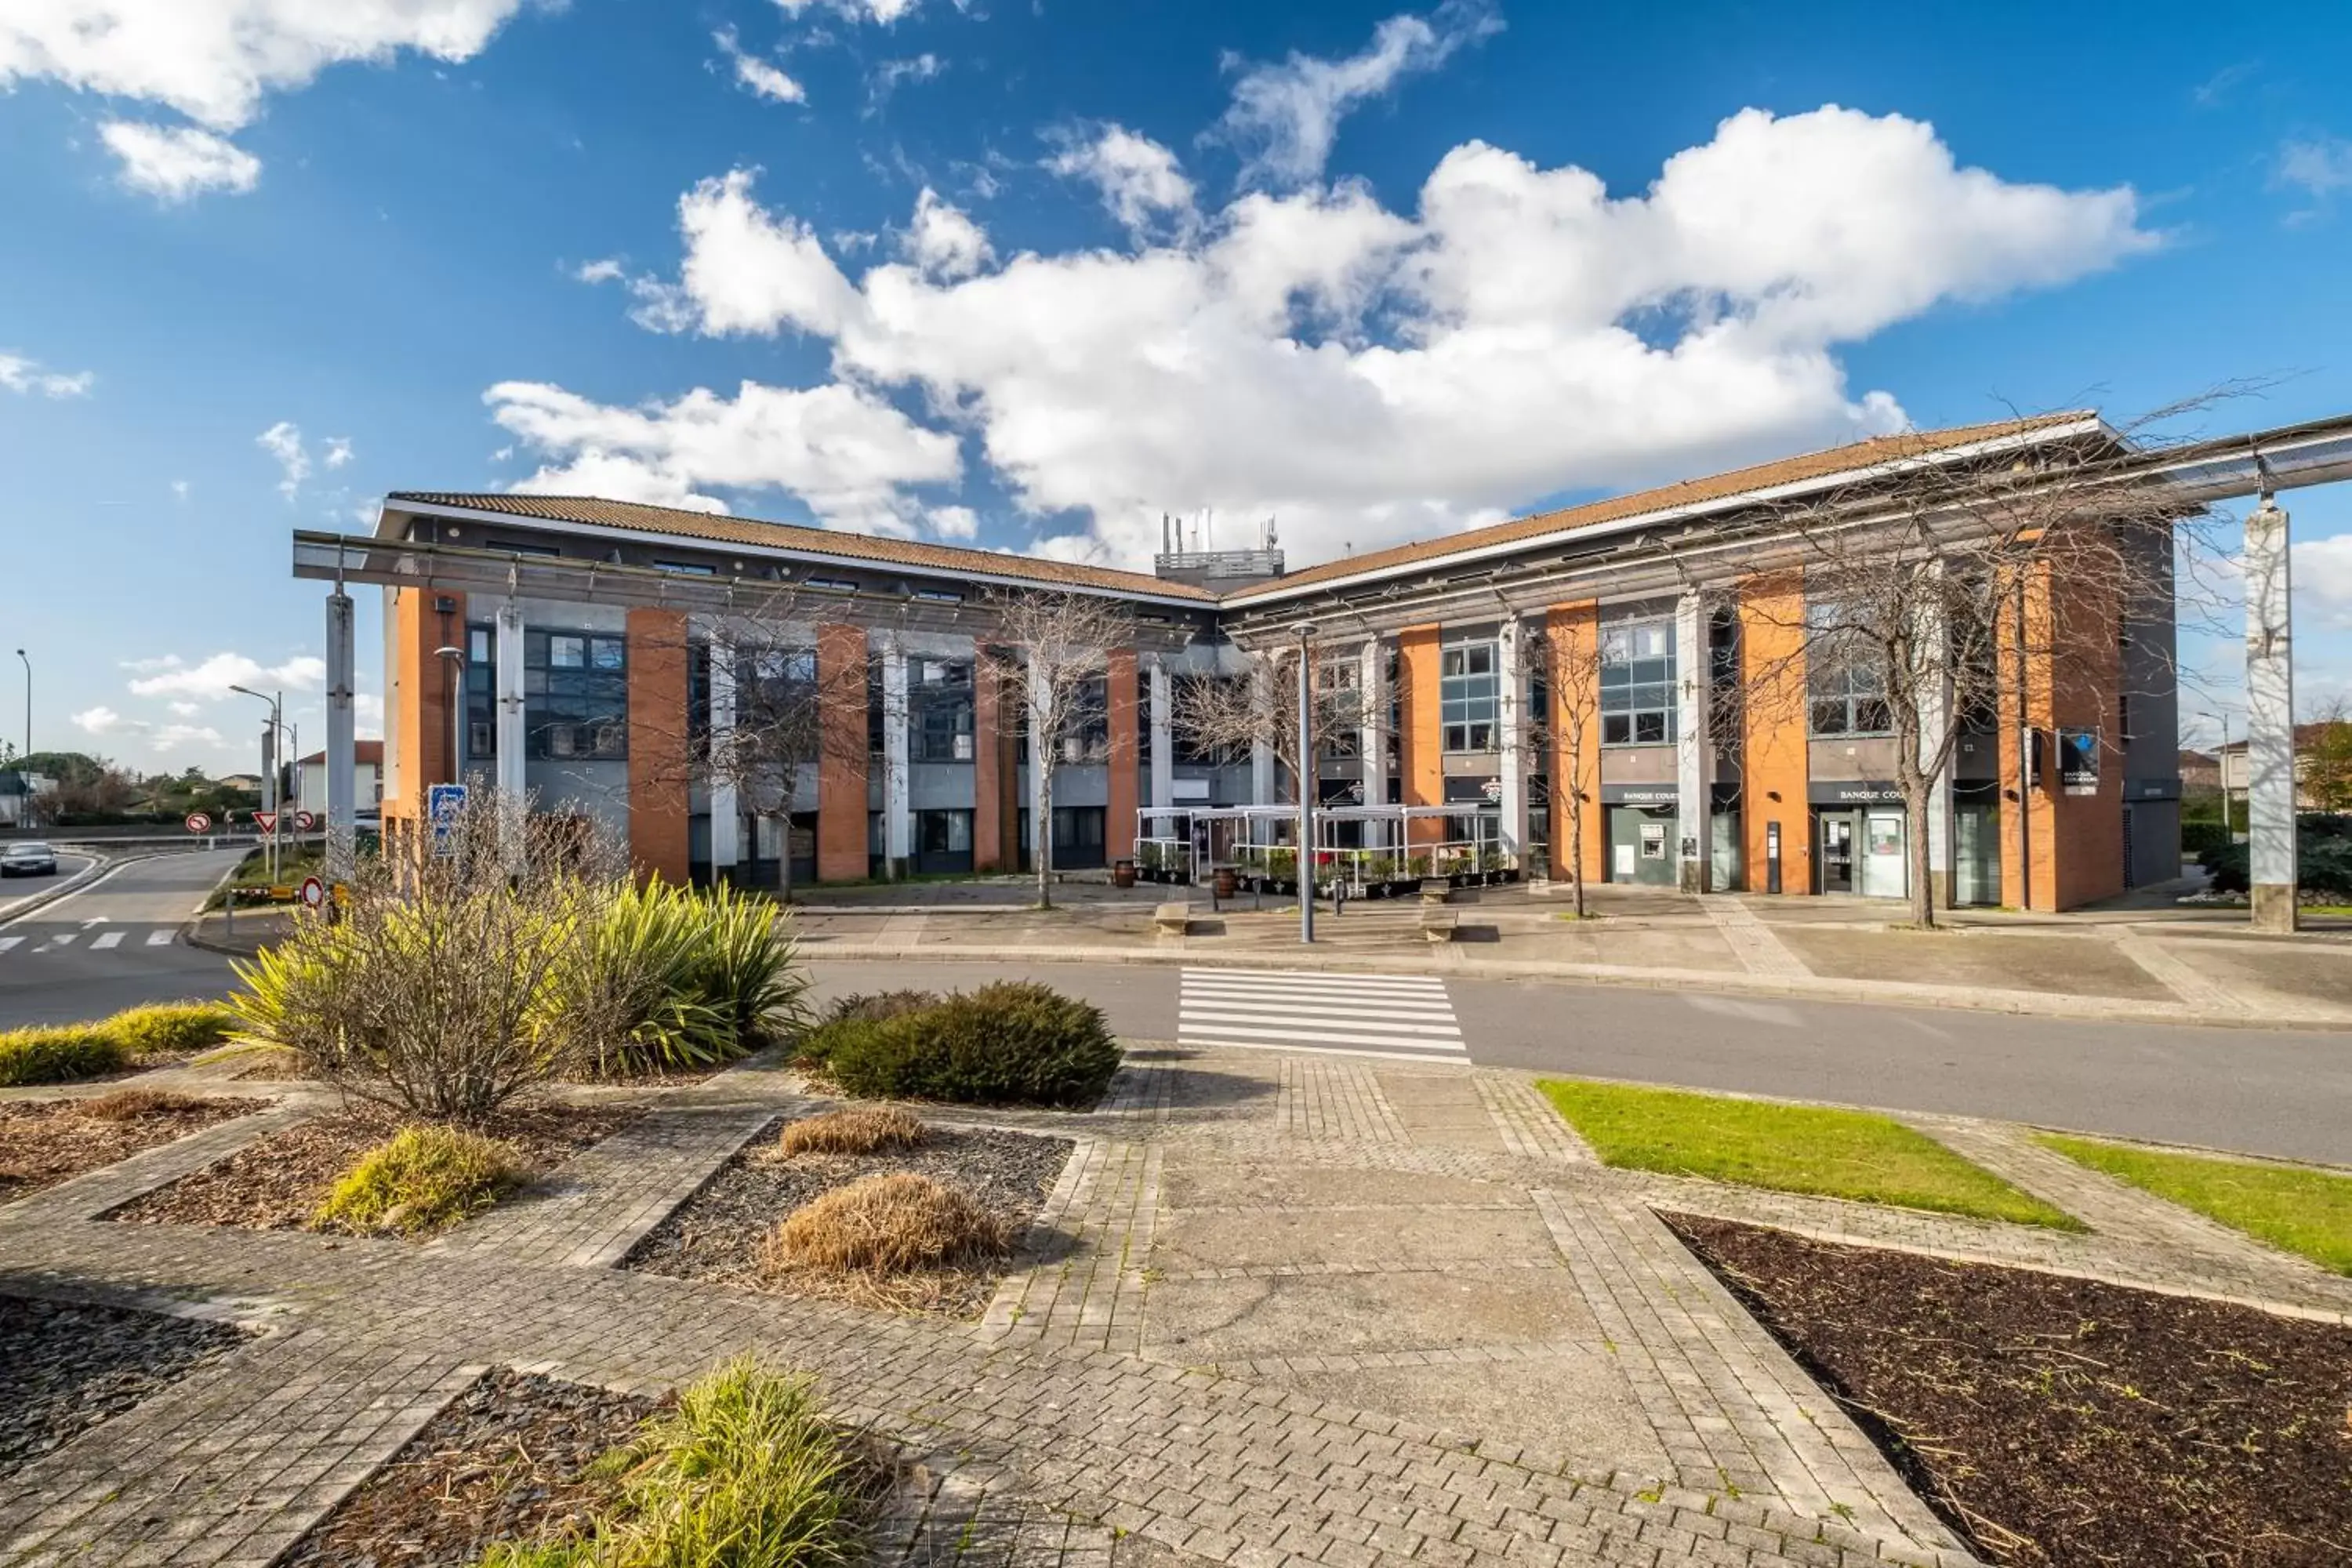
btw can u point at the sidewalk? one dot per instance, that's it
(2164, 964)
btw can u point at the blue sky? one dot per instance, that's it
(1029, 274)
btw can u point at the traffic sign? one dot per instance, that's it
(314, 892)
(199, 822)
(266, 820)
(304, 821)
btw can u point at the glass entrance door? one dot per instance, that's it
(1884, 864)
(1837, 851)
(1976, 854)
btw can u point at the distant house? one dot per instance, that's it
(367, 786)
(249, 783)
(2236, 773)
(2200, 771)
(18, 792)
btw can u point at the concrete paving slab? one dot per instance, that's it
(1441, 1113)
(2085, 966)
(1192, 1179)
(1364, 1238)
(1200, 1321)
(2299, 975)
(1568, 1400)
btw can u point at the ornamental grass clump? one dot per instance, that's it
(745, 1473)
(170, 1028)
(859, 1130)
(421, 1180)
(892, 1224)
(58, 1053)
(131, 1104)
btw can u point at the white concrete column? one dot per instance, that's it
(1262, 773)
(507, 721)
(1935, 682)
(1163, 741)
(1372, 742)
(2269, 719)
(342, 746)
(897, 819)
(1511, 678)
(1041, 815)
(726, 795)
(1694, 747)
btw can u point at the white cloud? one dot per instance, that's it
(173, 737)
(943, 240)
(1139, 179)
(891, 75)
(2319, 166)
(283, 441)
(180, 489)
(605, 272)
(210, 680)
(99, 721)
(846, 453)
(177, 162)
(1284, 117)
(956, 522)
(761, 76)
(186, 709)
(1367, 374)
(882, 11)
(338, 452)
(26, 378)
(214, 60)
(2323, 577)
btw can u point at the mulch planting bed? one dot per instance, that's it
(65, 1368)
(278, 1181)
(2065, 1423)
(716, 1233)
(509, 1460)
(45, 1142)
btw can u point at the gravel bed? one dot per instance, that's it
(64, 1369)
(2065, 1423)
(278, 1182)
(506, 1461)
(45, 1142)
(715, 1236)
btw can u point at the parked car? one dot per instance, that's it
(28, 860)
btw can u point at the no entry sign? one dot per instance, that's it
(199, 822)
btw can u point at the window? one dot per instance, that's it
(1085, 735)
(1469, 697)
(940, 705)
(575, 696)
(481, 693)
(688, 568)
(1637, 683)
(1338, 706)
(1845, 687)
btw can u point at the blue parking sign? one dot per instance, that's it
(441, 804)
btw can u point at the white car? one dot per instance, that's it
(32, 859)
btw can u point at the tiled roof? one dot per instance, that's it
(361, 751)
(1714, 487)
(727, 529)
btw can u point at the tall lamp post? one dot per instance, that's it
(454, 659)
(270, 770)
(1306, 779)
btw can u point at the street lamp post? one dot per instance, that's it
(454, 658)
(269, 769)
(1305, 777)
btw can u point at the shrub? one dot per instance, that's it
(848, 1015)
(422, 1179)
(745, 1471)
(860, 1129)
(2322, 860)
(1012, 1043)
(58, 1053)
(131, 1104)
(170, 1028)
(885, 1225)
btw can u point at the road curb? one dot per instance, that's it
(1883, 994)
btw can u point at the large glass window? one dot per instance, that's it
(940, 703)
(1845, 689)
(1339, 706)
(1637, 683)
(481, 694)
(1469, 697)
(575, 696)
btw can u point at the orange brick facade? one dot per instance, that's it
(1421, 743)
(1579, 830)
(417, 708)
(1775, 769)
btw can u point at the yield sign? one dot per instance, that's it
(266, 820)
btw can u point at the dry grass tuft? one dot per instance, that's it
(131, 1104)
(893, 1224)
(861, 1129)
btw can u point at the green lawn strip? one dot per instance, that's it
(2304, 1212)
(1811, 1149)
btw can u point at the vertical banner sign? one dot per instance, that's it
(2078, 761)
(441, 804)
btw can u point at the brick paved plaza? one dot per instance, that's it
(1296, 1310)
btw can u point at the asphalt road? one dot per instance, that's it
(111, 944)
(2287, 1094)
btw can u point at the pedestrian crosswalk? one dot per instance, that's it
(1407, 1017)
(34, 941)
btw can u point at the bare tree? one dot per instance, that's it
(1564, 662)
(1053, 649)
(1916, 601)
